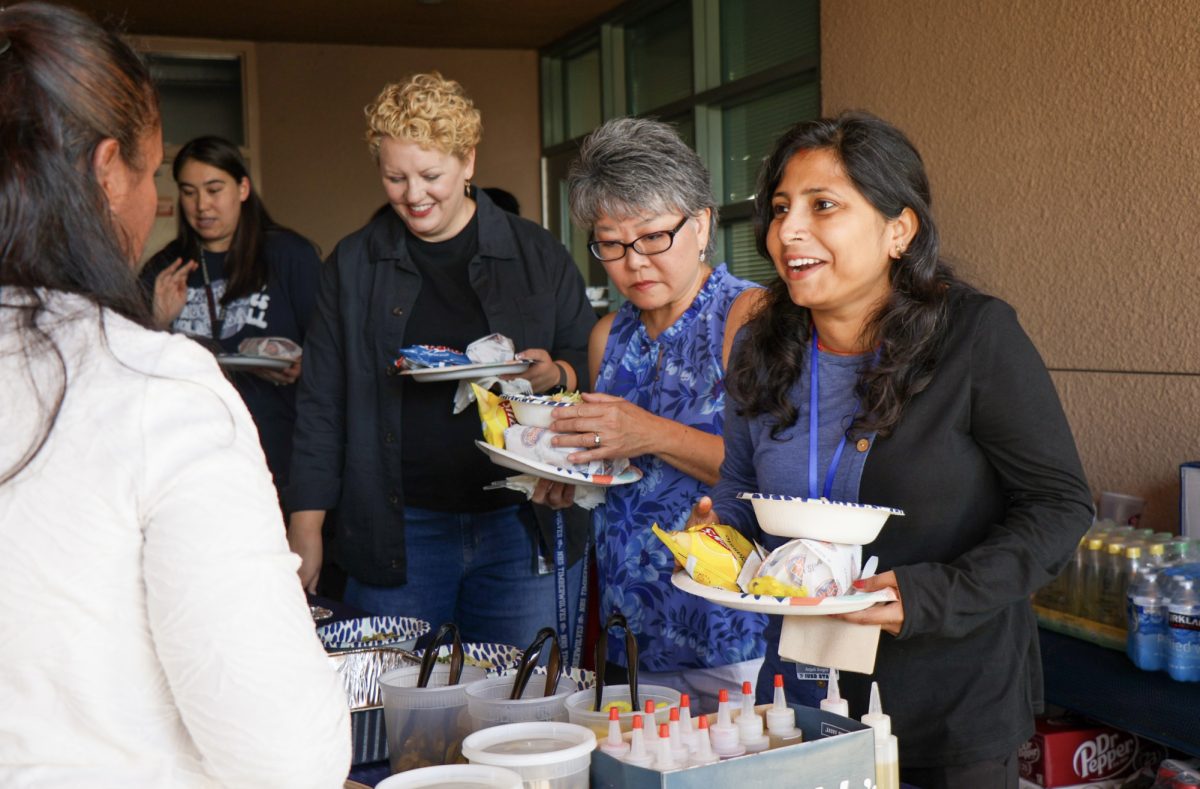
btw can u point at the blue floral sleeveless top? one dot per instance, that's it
(674, 630)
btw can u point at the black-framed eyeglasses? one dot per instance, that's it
(649, 244)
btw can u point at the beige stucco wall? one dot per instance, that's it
(317, 176)
(1063, 144)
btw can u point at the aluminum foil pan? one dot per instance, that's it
(360, 668)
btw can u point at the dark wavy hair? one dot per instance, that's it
(886, 169)
(245, 268)
(66, 85)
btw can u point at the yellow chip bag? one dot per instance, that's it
(495, 414)
(713, 555)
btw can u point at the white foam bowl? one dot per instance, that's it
(531, 413)
(819, 519)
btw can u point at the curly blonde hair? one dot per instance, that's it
(429, 110)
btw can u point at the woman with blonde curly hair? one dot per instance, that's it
(416, 532)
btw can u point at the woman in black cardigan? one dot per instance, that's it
(950, 415)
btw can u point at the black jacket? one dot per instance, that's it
(347, 441)
(984, 466)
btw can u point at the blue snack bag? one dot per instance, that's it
(417, 357)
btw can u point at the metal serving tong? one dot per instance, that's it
(631, 657)
(529, 663)
(430, 659)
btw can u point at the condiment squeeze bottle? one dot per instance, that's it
(666, 760)
(887, 764)
(651, 733)
(887, 747)
(615, 745)
(882, 724)
(679, 751)
(833, 701)
(637, 755)
(723, 733)
(687, 732)
(781, 719)
(750, 724)
(704, 752)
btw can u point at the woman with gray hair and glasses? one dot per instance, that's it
(658, 367)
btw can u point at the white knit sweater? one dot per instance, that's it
(153, 631)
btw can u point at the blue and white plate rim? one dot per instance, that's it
(533, 400)
(546, 471)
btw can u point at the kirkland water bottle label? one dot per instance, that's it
(1183, 663)
(1184, 621)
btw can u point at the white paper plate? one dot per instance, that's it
(502, 457)
(787, 606)
(457, 372)
(239, 362)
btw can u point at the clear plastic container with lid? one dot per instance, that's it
(454, 776)
(545, 755)
(581, 706)
(489, 703)
(426, 726)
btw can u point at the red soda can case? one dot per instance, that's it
(1186, 780)
(1168, 770)
(1072, 750)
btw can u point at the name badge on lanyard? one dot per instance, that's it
(812, 673)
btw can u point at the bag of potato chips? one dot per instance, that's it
(495, 414)
(713, 555)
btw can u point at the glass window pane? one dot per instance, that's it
(758, 34)
(658, 58)
(581, 89)
(742, 257)
(199, 95)
(685, 126)
(749, 130)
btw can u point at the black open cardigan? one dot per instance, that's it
(984, 466)
(347, 441)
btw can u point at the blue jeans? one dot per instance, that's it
(478, 570)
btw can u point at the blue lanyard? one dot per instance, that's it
(813, 427)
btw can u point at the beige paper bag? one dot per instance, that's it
(829, 643)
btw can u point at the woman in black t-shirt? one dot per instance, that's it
(244, 276)
(417, 532)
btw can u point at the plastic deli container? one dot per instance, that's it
(580, 706)
(489, 703)
(454, 776)
(545, 755)
(426, 726)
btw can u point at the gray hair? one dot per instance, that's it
(632, 167)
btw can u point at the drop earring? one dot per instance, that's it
(467, 189)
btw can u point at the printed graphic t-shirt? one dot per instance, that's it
(282, 309)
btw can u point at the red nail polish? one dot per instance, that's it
(860, 584)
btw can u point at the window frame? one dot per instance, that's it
(710, 97)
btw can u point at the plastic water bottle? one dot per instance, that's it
(1147, 623)
(1092, 564)
(1111, 582)
(1067, 597)
(1183, 623)
(1178, 549)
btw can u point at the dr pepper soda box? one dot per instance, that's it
(1067, 751)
